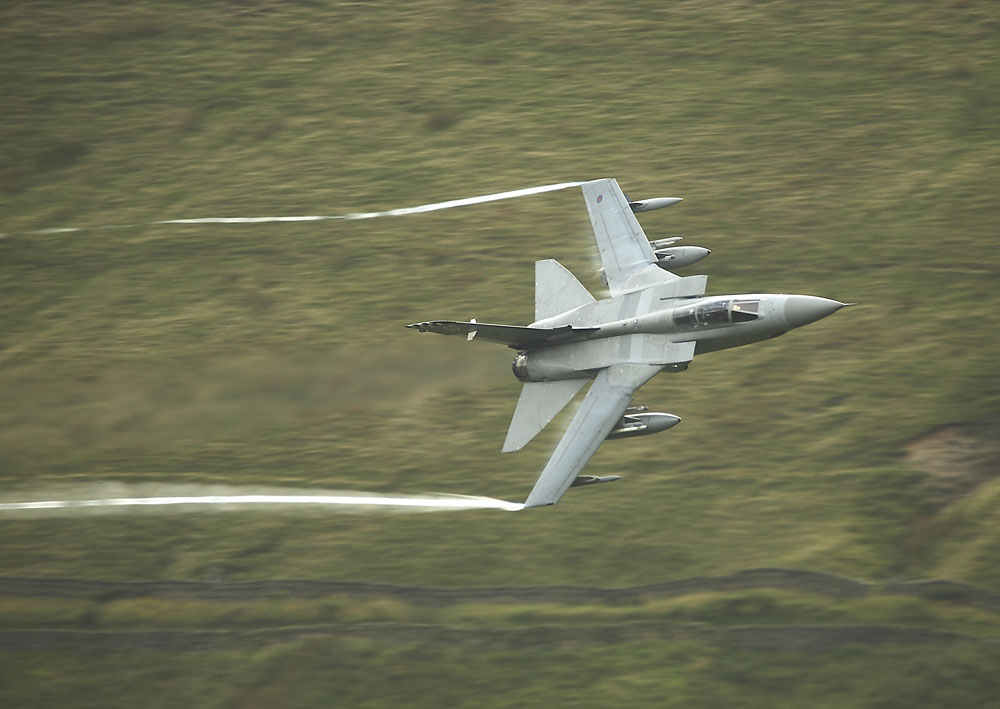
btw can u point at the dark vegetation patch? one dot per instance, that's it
(792, 638)
(14, 180)
(134, 29)
(442, 119)
(826, 584)
(61, 154)
(783, 579)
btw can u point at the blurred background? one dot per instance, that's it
(822, 529)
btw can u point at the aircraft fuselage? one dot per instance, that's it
(712, 323)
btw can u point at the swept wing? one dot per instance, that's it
(628, 259)
(601, 409)
(520, 338)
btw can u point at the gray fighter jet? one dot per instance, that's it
(654, 321)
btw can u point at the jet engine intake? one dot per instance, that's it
(631, 425)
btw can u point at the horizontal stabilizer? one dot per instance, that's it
(520, 338)
(538, 405)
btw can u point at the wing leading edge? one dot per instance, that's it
(601, 409)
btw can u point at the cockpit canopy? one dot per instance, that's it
(716, 312)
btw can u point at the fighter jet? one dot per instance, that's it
(652, 321)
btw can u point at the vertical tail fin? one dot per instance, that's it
(557, 290)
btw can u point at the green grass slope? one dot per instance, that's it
(845, 150)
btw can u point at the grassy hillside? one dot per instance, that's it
(295, 645)
(844, 150)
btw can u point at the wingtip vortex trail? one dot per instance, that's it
(345, 500)
(433, 207)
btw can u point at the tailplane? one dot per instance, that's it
(538, 405)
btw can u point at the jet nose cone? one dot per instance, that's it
(803, 309)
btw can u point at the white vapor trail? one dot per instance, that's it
(438, 502)
(466, 201)
(324, 217)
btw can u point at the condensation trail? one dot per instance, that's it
(438, 502)
(466, 201)
(321, 217)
